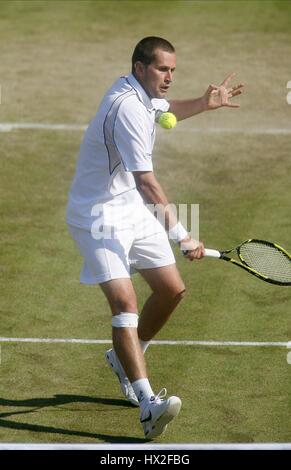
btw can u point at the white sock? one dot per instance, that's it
(144, 345)
(143, 391)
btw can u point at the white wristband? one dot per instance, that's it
(178, 233)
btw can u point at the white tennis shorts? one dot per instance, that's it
(125, 236)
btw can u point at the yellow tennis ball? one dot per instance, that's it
(167, 120)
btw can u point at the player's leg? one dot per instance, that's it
(155, 411)
(122, 300)
(168, 290)
(155, 261)
(153, 258)
(106, 264)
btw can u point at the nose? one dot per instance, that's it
(169, 76)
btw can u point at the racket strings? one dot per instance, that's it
(267, 260)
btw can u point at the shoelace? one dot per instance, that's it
(155, 400)
(161, 395)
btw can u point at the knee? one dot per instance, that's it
(124, 304)
(180, 294)
(176, 293)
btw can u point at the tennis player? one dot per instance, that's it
(117, 234)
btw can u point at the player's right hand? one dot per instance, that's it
(192, 249)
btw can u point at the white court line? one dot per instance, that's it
(12, 126)
(155, 342)
(154, 447)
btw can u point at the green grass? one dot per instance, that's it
(57, 59)
(72, 397)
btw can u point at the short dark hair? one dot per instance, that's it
(145, 50)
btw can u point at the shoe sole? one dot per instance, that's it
(170, 413)
(111, 365)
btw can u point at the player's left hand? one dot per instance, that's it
(218, 96)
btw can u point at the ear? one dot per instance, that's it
(139, 68)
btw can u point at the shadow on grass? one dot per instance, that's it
(36, 404)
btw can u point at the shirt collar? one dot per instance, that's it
(143, 96)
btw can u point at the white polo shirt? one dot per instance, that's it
(119, 140)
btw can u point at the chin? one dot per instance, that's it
(160, 94)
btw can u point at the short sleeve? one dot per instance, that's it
(161, 106)
(132, 136)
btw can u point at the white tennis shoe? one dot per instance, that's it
(158, 413)
(125, 384)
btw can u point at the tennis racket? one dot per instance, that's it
(265, 260)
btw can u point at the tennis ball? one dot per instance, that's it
(167, 120)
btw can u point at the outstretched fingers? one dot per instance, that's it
(232, 105)
(227, 79)
(234, 91)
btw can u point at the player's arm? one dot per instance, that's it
(184, 109)
(152, 193)
(214, 97)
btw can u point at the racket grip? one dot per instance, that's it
(208, 252)
(212, 253)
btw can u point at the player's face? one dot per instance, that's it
(157, 77)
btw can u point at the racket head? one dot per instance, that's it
(270, 261)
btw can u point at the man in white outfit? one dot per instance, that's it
(115, 230)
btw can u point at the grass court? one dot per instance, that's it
(57, 60)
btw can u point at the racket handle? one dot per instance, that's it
(208, 252)
(212, 253)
